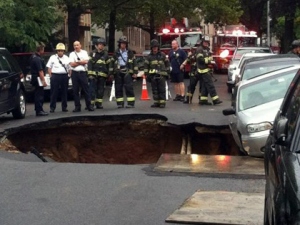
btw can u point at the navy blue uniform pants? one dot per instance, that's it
(80, 80)
(59, 84)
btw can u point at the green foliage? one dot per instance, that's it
(279, 23)
(27, 22)
(219, 13)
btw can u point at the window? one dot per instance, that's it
(292, 111)
(4, 65)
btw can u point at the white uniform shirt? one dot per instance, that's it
(123, 57)
(56, 66)
(82, 55)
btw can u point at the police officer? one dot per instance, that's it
(59, 70)
(78, 61)
(98, 67)
(124, 69)
(37, 69)
(203, 59)
(295, 48)
(157, 69)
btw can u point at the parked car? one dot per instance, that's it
(239, 52)
(257, 102)
(24, 61)
(12, 99)
(236, 69)
(254, 67)
(282, 161)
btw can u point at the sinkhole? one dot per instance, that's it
(122, 139)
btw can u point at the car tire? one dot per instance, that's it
(19, 111)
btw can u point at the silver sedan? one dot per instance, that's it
(258, 100)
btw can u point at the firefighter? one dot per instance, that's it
(295, 48)
(194, 78)
(203, 60)
(98, 66)
(124, 69)
(157, 70)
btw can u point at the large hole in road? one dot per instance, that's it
(117, 139)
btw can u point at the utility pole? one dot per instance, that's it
(268, 23)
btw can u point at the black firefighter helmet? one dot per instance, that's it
(154, 43)
(123, 39)
(100, 40)
(296, 44)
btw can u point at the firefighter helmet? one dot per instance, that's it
(60, 46)
(123, 39)
(154, 43)
(296, 43)
(100, 40)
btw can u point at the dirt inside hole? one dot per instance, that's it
(115, 142)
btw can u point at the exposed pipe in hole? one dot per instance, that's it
(189, 145)
(183, 146)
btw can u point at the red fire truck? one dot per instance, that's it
(186, 37)
(225, 41)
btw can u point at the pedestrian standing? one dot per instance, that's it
(177, 56)
(124, 70)
(59, 71)
(38, 80)
(157, 69)
(98, 67)
(78, 61)
(203, 59)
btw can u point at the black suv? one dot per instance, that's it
(12, 99)
(282, 161)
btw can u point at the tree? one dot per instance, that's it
(218, 13)
(284, 11)
(254, 12)
(27, 22)
(113, 13)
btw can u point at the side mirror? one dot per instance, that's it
(4, 74)
(280, 132)
(227, 112)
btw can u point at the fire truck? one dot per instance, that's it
(187, 37)
(226, 40)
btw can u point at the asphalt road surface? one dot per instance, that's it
(37, 193)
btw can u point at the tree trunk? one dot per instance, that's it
(152, 24)
(73, 25)
(289, 34)
(112, 30)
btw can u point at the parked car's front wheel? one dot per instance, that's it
(19, 111)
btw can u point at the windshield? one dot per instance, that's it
(263, 91)
(184, 40)
(240, 52)
(225, 41)
(257, 69)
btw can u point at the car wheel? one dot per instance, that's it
(20, 110)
